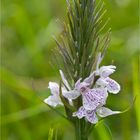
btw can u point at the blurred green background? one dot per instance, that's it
(27, 65)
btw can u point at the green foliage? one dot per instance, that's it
(26, 39)
(81, 38)
(136, 81)
(80, 45)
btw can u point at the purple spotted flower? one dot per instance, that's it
(105, 81)
(93, 103)
(91, 115)
(54, 99)
(95, 98)
(94, 93)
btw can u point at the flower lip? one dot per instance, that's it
(94, 98)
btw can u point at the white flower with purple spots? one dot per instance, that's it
(105, 81)
(91, 115)
(94, 93)
(94, 99)
(91, 97)
(54, 99)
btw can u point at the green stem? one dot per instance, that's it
(81, 130)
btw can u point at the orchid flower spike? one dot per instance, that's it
(93, 98)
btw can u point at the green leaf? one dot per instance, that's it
(51, 133)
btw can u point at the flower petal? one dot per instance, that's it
(72, 94)
(90, 79)
(104, 112)
(64, 79)
(54, 87)
(89, 101)
(91, 116)
(80, 113)
(77, 84)
(101, 82)
(105, 71)
(94, 98)
(53, 100)
(112, 85)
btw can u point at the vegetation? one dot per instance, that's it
(28, 63)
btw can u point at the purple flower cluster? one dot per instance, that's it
(94, 93)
